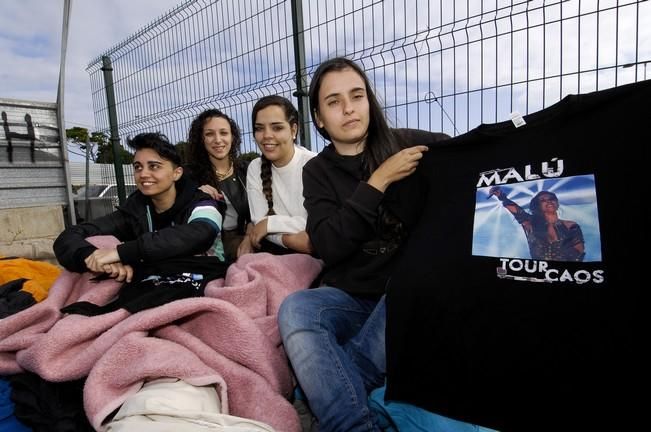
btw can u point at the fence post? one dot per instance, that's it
(61, 124)
(88, 153)
(107, 68)
(299, 64)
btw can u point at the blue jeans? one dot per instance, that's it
(335, 343)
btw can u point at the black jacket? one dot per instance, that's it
(234, 187)
(146, 236)
(355, 228)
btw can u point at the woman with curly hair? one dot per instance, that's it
(212, 159)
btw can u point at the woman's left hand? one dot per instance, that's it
(299, 242)
(100, 257)
(397, 167)
(120, 272)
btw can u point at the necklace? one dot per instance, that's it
(221, 176)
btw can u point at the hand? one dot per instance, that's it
(118, 271)
(397, 167)
(497, 191)
(100, 257)
(258, 232)
(300, 242)
(214, 193)
(245, 247)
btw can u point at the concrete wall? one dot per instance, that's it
(29, 232)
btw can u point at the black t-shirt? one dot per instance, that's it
(516, 304)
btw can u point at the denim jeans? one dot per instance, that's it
(335, 343)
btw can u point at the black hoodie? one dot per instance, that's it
(146, 237)
(353, 227)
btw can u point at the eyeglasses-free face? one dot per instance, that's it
(274, 135)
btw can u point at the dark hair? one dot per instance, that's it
(197, 155)
(381, 143)
(291, 115)
(534, 204)
(158, 143)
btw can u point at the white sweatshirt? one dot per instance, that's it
(287, 192)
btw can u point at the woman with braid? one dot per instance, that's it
(274, 181)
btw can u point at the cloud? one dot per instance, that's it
(30, 46)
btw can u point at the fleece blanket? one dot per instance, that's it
(229, 339)
(40, 275)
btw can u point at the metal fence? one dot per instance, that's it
(437, 65)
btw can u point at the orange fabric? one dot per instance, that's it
(40, 275)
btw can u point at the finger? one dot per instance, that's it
(210, 191)
(122, 274)
(90, 260)
(129, 270)
(92, 265)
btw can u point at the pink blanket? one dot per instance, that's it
(229, 339)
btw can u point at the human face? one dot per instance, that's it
(344, 110)
(154, 175)
(217, 138)
(274, 135)
(547, 203)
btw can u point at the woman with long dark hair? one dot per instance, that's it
(212, 158)
(274, 181)
(334, 334)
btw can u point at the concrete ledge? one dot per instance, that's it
(30, 232)
(30, 223)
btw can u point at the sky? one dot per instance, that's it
(30, 46)
(30, 42)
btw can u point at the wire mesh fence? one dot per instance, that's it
(437, 65)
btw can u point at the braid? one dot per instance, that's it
(265, 176)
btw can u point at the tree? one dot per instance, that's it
(100, 147)
(79, 135)
(105, 153)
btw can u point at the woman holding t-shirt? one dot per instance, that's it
(334, 334)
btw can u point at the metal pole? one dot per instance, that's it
(107, 68)
(87, 211)
(299, 64)
(67, 4)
